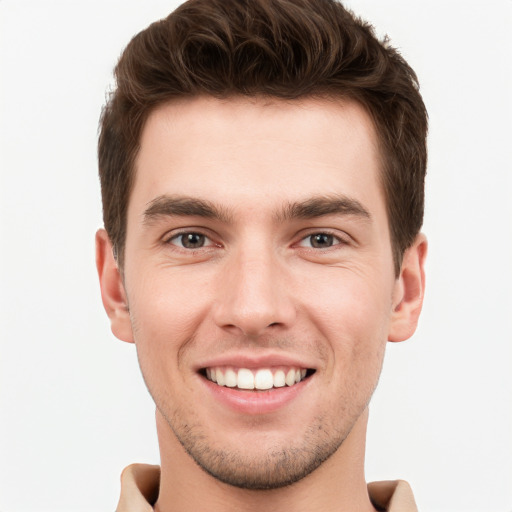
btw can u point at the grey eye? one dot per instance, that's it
(321, 240)
(190, 240)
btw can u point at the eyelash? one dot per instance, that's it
(335, 239)
(180, 235)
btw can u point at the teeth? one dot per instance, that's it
(261, 379)
(220, 378)
(230, 378)
(290, 378)
(245, 379)
(279, 379)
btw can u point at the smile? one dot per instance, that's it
(260, 379)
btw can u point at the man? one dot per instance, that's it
(262, 166)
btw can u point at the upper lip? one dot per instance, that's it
(253, 361)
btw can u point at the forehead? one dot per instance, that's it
(240, 151)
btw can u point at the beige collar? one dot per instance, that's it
(139, 489)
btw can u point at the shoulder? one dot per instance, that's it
(392, 496)
(139, 488)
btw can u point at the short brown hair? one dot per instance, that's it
(278, 48)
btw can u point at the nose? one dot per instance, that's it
(253, 295)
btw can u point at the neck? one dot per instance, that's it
(337, 485)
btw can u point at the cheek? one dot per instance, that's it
(165, 316)
(165, 313)
(353, 315)
(350, 305)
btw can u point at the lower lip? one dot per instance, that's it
(256, 402)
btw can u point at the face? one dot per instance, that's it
(259, 280)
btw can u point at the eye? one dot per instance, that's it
(320, 241)
(190, 240)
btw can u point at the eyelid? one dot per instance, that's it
(177, 233)
(341, 239)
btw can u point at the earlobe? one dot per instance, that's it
(113, 294)
(409, 291)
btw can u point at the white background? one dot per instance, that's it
(73, 408)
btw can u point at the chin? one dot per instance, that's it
(272, 465)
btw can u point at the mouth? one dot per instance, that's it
(256, 379)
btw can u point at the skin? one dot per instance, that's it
(262, 285)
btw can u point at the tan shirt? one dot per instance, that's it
(139, 489)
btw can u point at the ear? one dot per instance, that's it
(113, 293)
(409, 292)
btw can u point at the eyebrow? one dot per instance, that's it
(320, 206)
(184, 206)
(324, 205)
